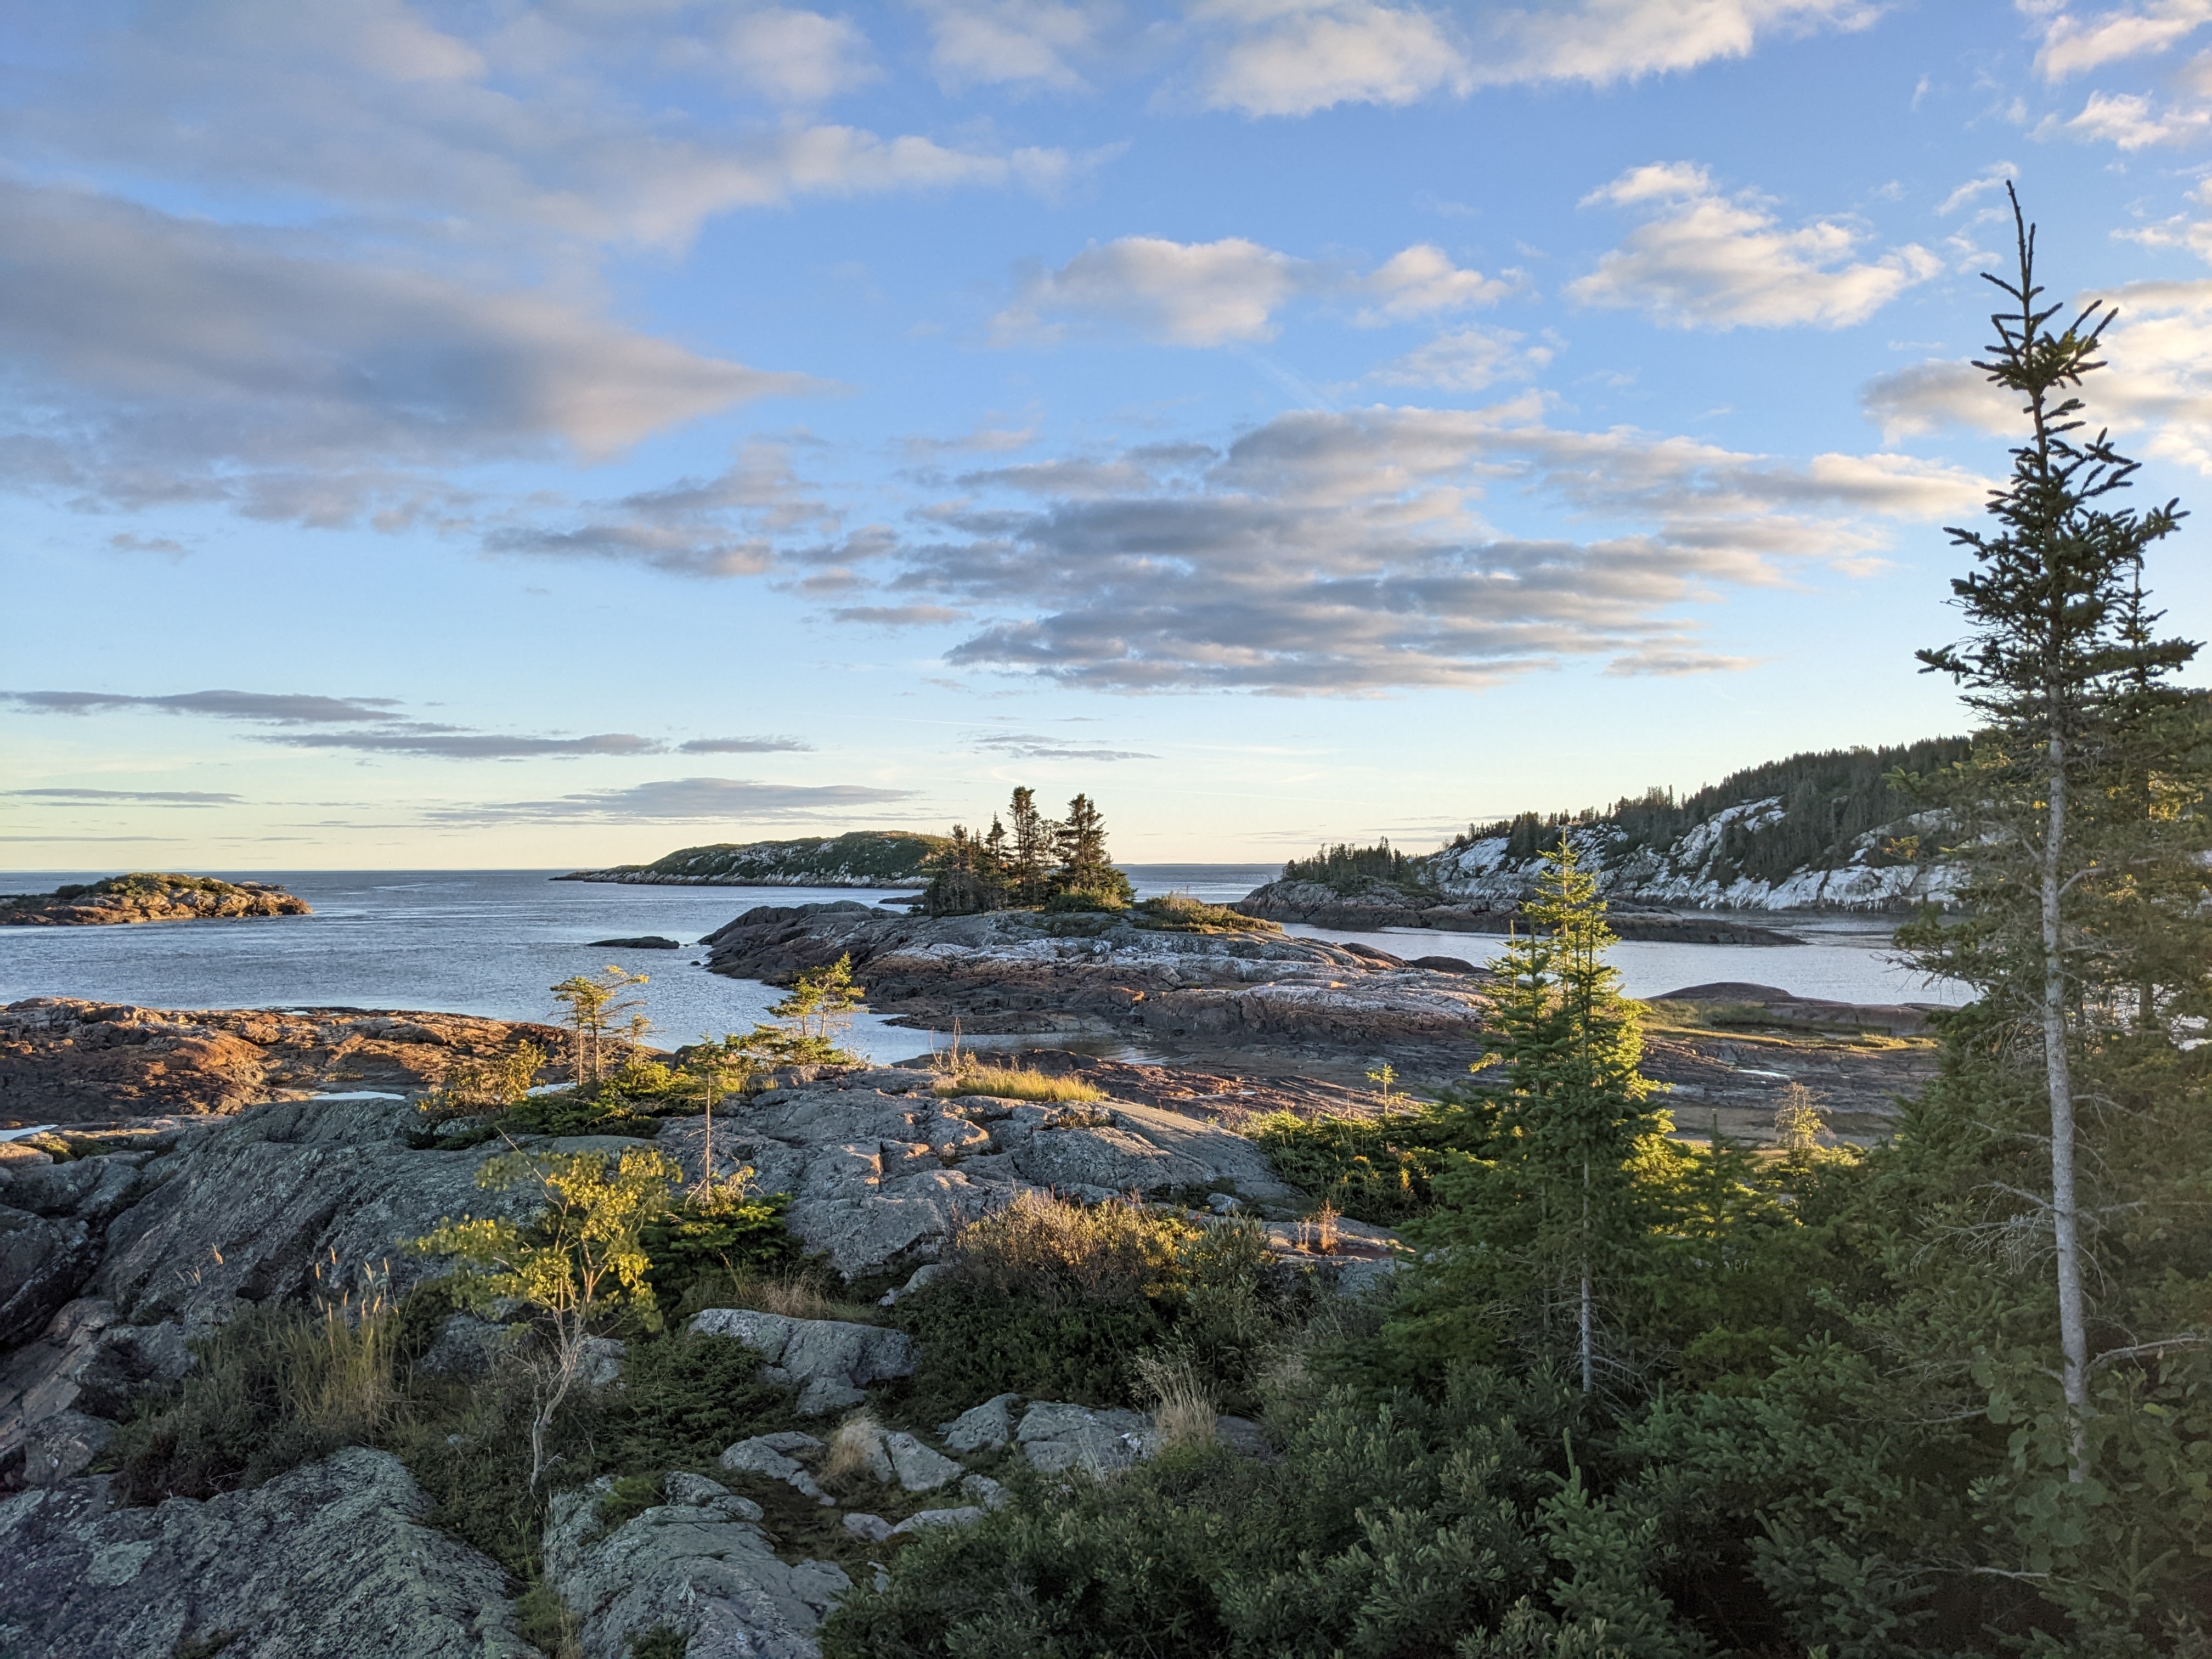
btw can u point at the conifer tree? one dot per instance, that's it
(2060, 667)
(1556, 1213)
(1031, 858)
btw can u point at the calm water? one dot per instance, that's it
(491, 942)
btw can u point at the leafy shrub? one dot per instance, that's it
(1393, 1528)
(976, 1342)
(1085, 899)
(683, 1399)
(1057, 1252)
(661, 1642)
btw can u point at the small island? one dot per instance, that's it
(863, 858)
(147, 895)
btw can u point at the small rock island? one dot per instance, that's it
(148, 897)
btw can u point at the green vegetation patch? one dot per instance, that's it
(1347, 869)
(1179, 913)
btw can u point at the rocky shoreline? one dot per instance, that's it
(1261, 997)
(145, 897)
(66, 1061)
(1381, 905)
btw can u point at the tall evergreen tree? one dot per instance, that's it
(1555, 1218)
(2059, 666)
(1031, 857)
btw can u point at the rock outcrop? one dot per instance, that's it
(881, 1169)
(1254, 994)
(698, 1564)
(829, 1361)
(329, 1559)
(147, 897)
(66, 1061)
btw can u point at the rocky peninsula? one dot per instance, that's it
(1380, 904)
(863, 858)
(148, 897)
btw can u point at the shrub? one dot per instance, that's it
(1015, 1082)
(1179, 913)
(977, 1342)
(712, 1232)
(684, 1398)
(1379, 1169)
(1057, 1253)
(276, 1388)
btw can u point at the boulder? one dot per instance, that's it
(762, 1455)
(967, 1515)
(87, 1364)
(868, 1529)
(465, 1348)
(44, 1263)
(830, 1360)
(980, 1428)
(1054, 1437)
(698, 1564)
(328, 1559)
(918, 1467)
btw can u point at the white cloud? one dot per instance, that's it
(1348, 554)
(1191, 294)
(1292, 59)
(2155, 393)
(799, 57)
(1466, 360)
(1295, 57)
(1011, 42)
(174, 359)
(1928, 396)
(497, 127)
(1992, 179)
(1211, 293)
(2132, 122)
(2074, 44)
(1422, 281)
(679, 800)
(1703, 259)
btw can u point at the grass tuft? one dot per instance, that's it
(1016, 1083)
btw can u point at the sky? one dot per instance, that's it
(512, 435)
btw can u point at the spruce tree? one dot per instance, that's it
(1555, 1219)
(1031, 857)
(2060, 668)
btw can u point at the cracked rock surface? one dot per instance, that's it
(698, 1563)
(328, 1559)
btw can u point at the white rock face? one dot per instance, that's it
(1054, 1437)
(980, 1428)
(1693, 873)
(918, 1467)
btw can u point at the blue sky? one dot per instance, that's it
(501, 435)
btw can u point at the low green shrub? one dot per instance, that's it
(1379, 1169)
(1179, 913)
(706, 1236)
(661, 1642)
(976, 1341)
(683, 1398)
(1397, 1527)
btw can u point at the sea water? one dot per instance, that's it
(494, 942)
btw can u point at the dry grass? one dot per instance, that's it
(857, 1444)
(1060, 1252)
(1317, 1233)
(1183, 1416)
(1016, 1083)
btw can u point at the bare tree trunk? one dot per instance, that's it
(568, 1356)
(1590, 1365)
(2065, 1218)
